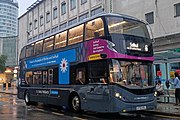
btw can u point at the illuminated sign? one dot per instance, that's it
(136, 46)
(94, 57)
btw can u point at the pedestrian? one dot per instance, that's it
(167, 83)
(177, 88)
(159, 88)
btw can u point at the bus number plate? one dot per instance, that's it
(141, 108)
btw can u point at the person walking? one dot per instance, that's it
(177, 88)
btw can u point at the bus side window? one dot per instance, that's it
(80, 76)
(60, 40)
(45, 77)
(50, 76)
(48, 44)
(37, 77)
(75, 35)
(38, 47)
(23, 53)
(94, 29)
(30, 50)
(28, 78)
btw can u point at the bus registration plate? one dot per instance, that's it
(141, 108)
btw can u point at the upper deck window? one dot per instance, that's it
(94, 29)
(38, 47)
(48, 44)
(23, 51)
(75, 35)
(60, 40)
(30, 50)
(119, 25)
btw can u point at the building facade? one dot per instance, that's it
(8, 30)
(8, 18)
(163, 16)
(8, 37)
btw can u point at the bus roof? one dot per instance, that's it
(88, 19)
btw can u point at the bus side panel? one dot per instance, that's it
(94, 97)
(58, 97)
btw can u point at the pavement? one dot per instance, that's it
(162, 108)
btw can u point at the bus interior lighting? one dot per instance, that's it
(114, 25)
(75, 37)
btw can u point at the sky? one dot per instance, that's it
(23, 5)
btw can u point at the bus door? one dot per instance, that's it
(98, 89)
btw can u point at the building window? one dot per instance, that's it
(150, 17)
(96, 11)
(62, 26)
(41, 35)
(177, 9)
(63, 8)
(30, 27)
(55, 13)
(73, 21)
(55, 29)
(35, 24)
(83, 1)
(48, 17)
(41, 21)
(84, 16)
(47, 32)
(72, 4)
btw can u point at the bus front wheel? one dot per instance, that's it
(27, 98)
(75, 103)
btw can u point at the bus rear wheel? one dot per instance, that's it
(75, 103)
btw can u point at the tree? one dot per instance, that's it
(3, 59)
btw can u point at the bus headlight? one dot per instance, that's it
(155, 94)
(118, 95)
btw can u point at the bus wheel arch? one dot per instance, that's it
(74, 102)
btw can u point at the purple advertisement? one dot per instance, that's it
(94, 49)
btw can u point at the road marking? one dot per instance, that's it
(79, 118)
(40, 109)
(57, 113)
(165, 116)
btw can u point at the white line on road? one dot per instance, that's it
(79, 118)
(57, 113)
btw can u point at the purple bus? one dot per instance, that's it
(101, 64)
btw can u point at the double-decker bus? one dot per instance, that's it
(101, 64)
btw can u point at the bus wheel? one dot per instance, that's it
(27, 98)
(75, 103)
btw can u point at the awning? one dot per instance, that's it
(167, 56)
